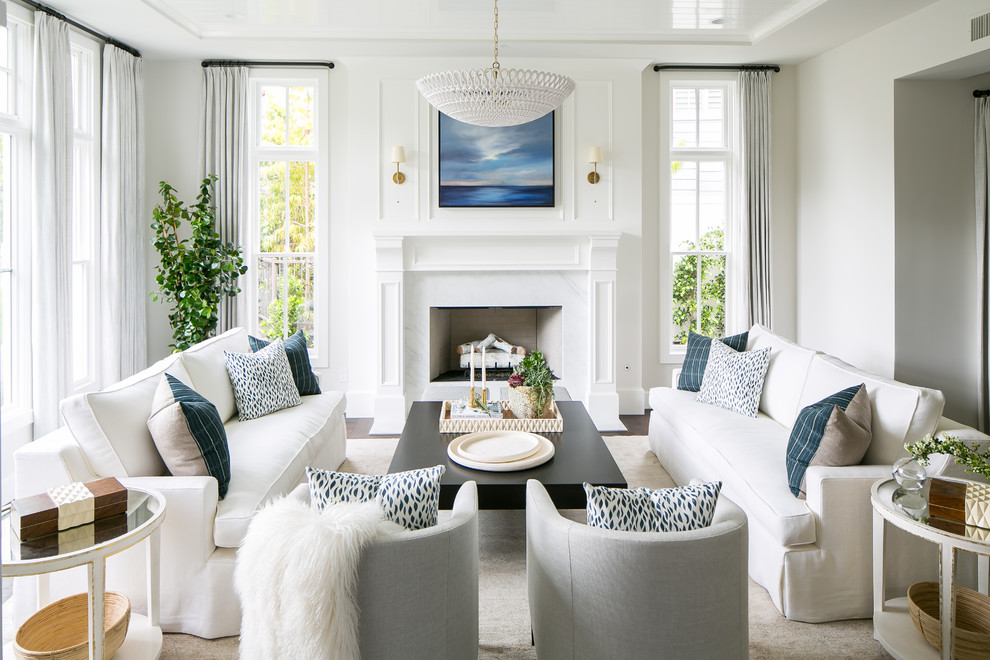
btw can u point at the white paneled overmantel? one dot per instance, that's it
(575, 271)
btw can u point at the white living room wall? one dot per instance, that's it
(936, 311)
(375, 106)
(846, 227)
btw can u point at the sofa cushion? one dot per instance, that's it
(206, 366)
(734, 380)
(297, 352)
(268, 457)
(788, 369)
(748, 454)
(188, 433)
(262, 381)
(835, 431)
(696, 358)
(901, 412)
(111, 426)
(621, 509)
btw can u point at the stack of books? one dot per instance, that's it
(461, 410)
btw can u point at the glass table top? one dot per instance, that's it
(916, 509)
(142, 506)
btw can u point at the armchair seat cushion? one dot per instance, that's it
(267, 457)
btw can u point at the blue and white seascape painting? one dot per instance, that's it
(496, 166)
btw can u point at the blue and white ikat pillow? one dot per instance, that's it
(734, 380)
(262, 381)
(327, 488)
(652, 510)
(411, 499)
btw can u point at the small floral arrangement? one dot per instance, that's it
(534, 373)
(976, 462)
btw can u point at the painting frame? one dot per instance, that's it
(497, 167)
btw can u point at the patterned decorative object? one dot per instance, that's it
(327, 487)
(734, 380)
(652, 510)
(74, 503)
(508, 422)
(188, 433)
(834, 431)
(696, 357)
(297, 352)
(686, 508)
(262, 381)
(966, 502)
(411, 499)
(59, 508)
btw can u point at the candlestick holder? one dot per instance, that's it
(484, 396)
(471, 403)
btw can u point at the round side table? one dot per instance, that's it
(892, 625)
(145, 513)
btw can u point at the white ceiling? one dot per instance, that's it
(783, 31)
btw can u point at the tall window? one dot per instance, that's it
(289, 165)
(85, 211)
(15, 213)
(700, 141)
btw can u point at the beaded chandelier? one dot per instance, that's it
(495, 96)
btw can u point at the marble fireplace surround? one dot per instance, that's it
(575, 271)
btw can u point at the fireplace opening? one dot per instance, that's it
(519, 331)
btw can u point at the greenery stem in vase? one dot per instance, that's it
(975, 461)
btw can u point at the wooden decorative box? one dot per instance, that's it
(77, 538)
(66, 506)
(508, 422)
(964, 502)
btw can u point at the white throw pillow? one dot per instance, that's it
(734, 380)
(262, 381)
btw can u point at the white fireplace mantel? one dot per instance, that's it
(571, 269)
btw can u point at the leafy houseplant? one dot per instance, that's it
(976, 462)
(531, 383)
(195, 272)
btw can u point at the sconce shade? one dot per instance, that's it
(595, 155)
(398, 154)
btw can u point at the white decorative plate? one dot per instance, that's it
(543, 454)
(497, 446)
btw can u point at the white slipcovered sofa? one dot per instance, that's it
(813, 556)
(106, 435)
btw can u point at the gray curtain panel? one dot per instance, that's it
(754, 102)
(124, 339)
(51, 238)
(982, 151)
(225, 135)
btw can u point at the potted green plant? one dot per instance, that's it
(531, 387)
(194, 273)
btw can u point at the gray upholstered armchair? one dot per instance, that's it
(596, 593)
(418, 591)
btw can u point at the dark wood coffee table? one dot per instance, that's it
(580, 455)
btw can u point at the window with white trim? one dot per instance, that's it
(15, 215)
(287, 255)
(85, 55)
(699, 160)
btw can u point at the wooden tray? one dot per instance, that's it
(509, 422)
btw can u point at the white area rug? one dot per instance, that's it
(504, 611)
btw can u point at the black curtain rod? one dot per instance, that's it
(266, 63)
(977, 93)
(79, 26)
(717, 67)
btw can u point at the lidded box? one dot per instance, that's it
(67, 506)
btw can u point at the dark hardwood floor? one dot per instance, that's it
(360, 427)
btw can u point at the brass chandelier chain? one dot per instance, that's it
(495, 64)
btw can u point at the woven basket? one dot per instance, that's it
(972, 619)
(61, 630)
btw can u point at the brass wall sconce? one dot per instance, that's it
(398, 156)
(595, 157)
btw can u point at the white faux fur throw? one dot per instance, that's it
(296, 577)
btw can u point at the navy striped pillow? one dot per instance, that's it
(696, 358)
(298, 354)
